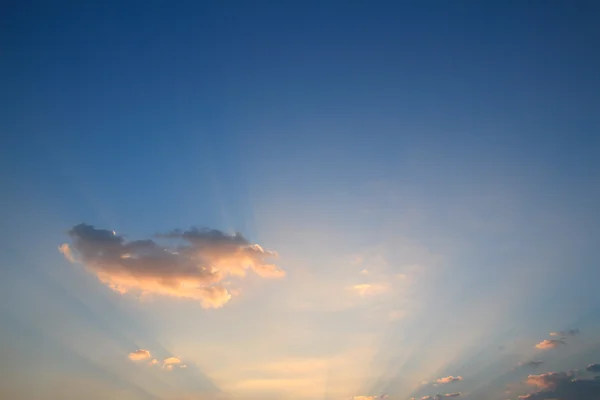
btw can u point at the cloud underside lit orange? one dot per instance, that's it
(193, 270)
(549, 344)
(449, 379)
(138, 355)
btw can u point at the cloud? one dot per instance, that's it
(138, 355)
(65, 250)
(441, 396)
(193, 269)
(534, 363)
(562, 385)
(183, 366)
(593, 368)
(548, 380)
(549, 343)
(168, 367)
(449, 379)
(153, 362)
(366, 289)
(570, 332)
(171, 361)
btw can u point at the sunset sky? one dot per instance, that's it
(300, 200)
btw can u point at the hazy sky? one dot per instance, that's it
(300, 200)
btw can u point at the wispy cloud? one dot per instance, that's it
(533, 363)
(192, 270)
(441, 396)
(449, 379)
(570, 332)
(549, 343)
(65, 250)
(140, 354)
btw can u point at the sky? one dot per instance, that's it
(300, 200)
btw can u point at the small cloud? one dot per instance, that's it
(549, 343)
(570, 332)
(168, 367)
(365, 272)
(401, 276)
(593, 368)
(535, 363)
(367, 289)
(441, 396)
(449, 379)
(548, 380)
(562, 385)
(65, 250)
(183, 366)
(153, 362)
(138, 355)
(171, 361)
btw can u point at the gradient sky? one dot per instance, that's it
(423, 179)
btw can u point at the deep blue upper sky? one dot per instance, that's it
(129, 97)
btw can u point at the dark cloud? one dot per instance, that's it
(533, 363)
(440, 396)
(593, 368)
(193, 269)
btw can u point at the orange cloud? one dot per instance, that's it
(449, 379)
(549, 344)
(192, 270)
(171, 361)
(138, 355)
(153, 362)
(65, 250)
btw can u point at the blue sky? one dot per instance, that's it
(426, 173)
